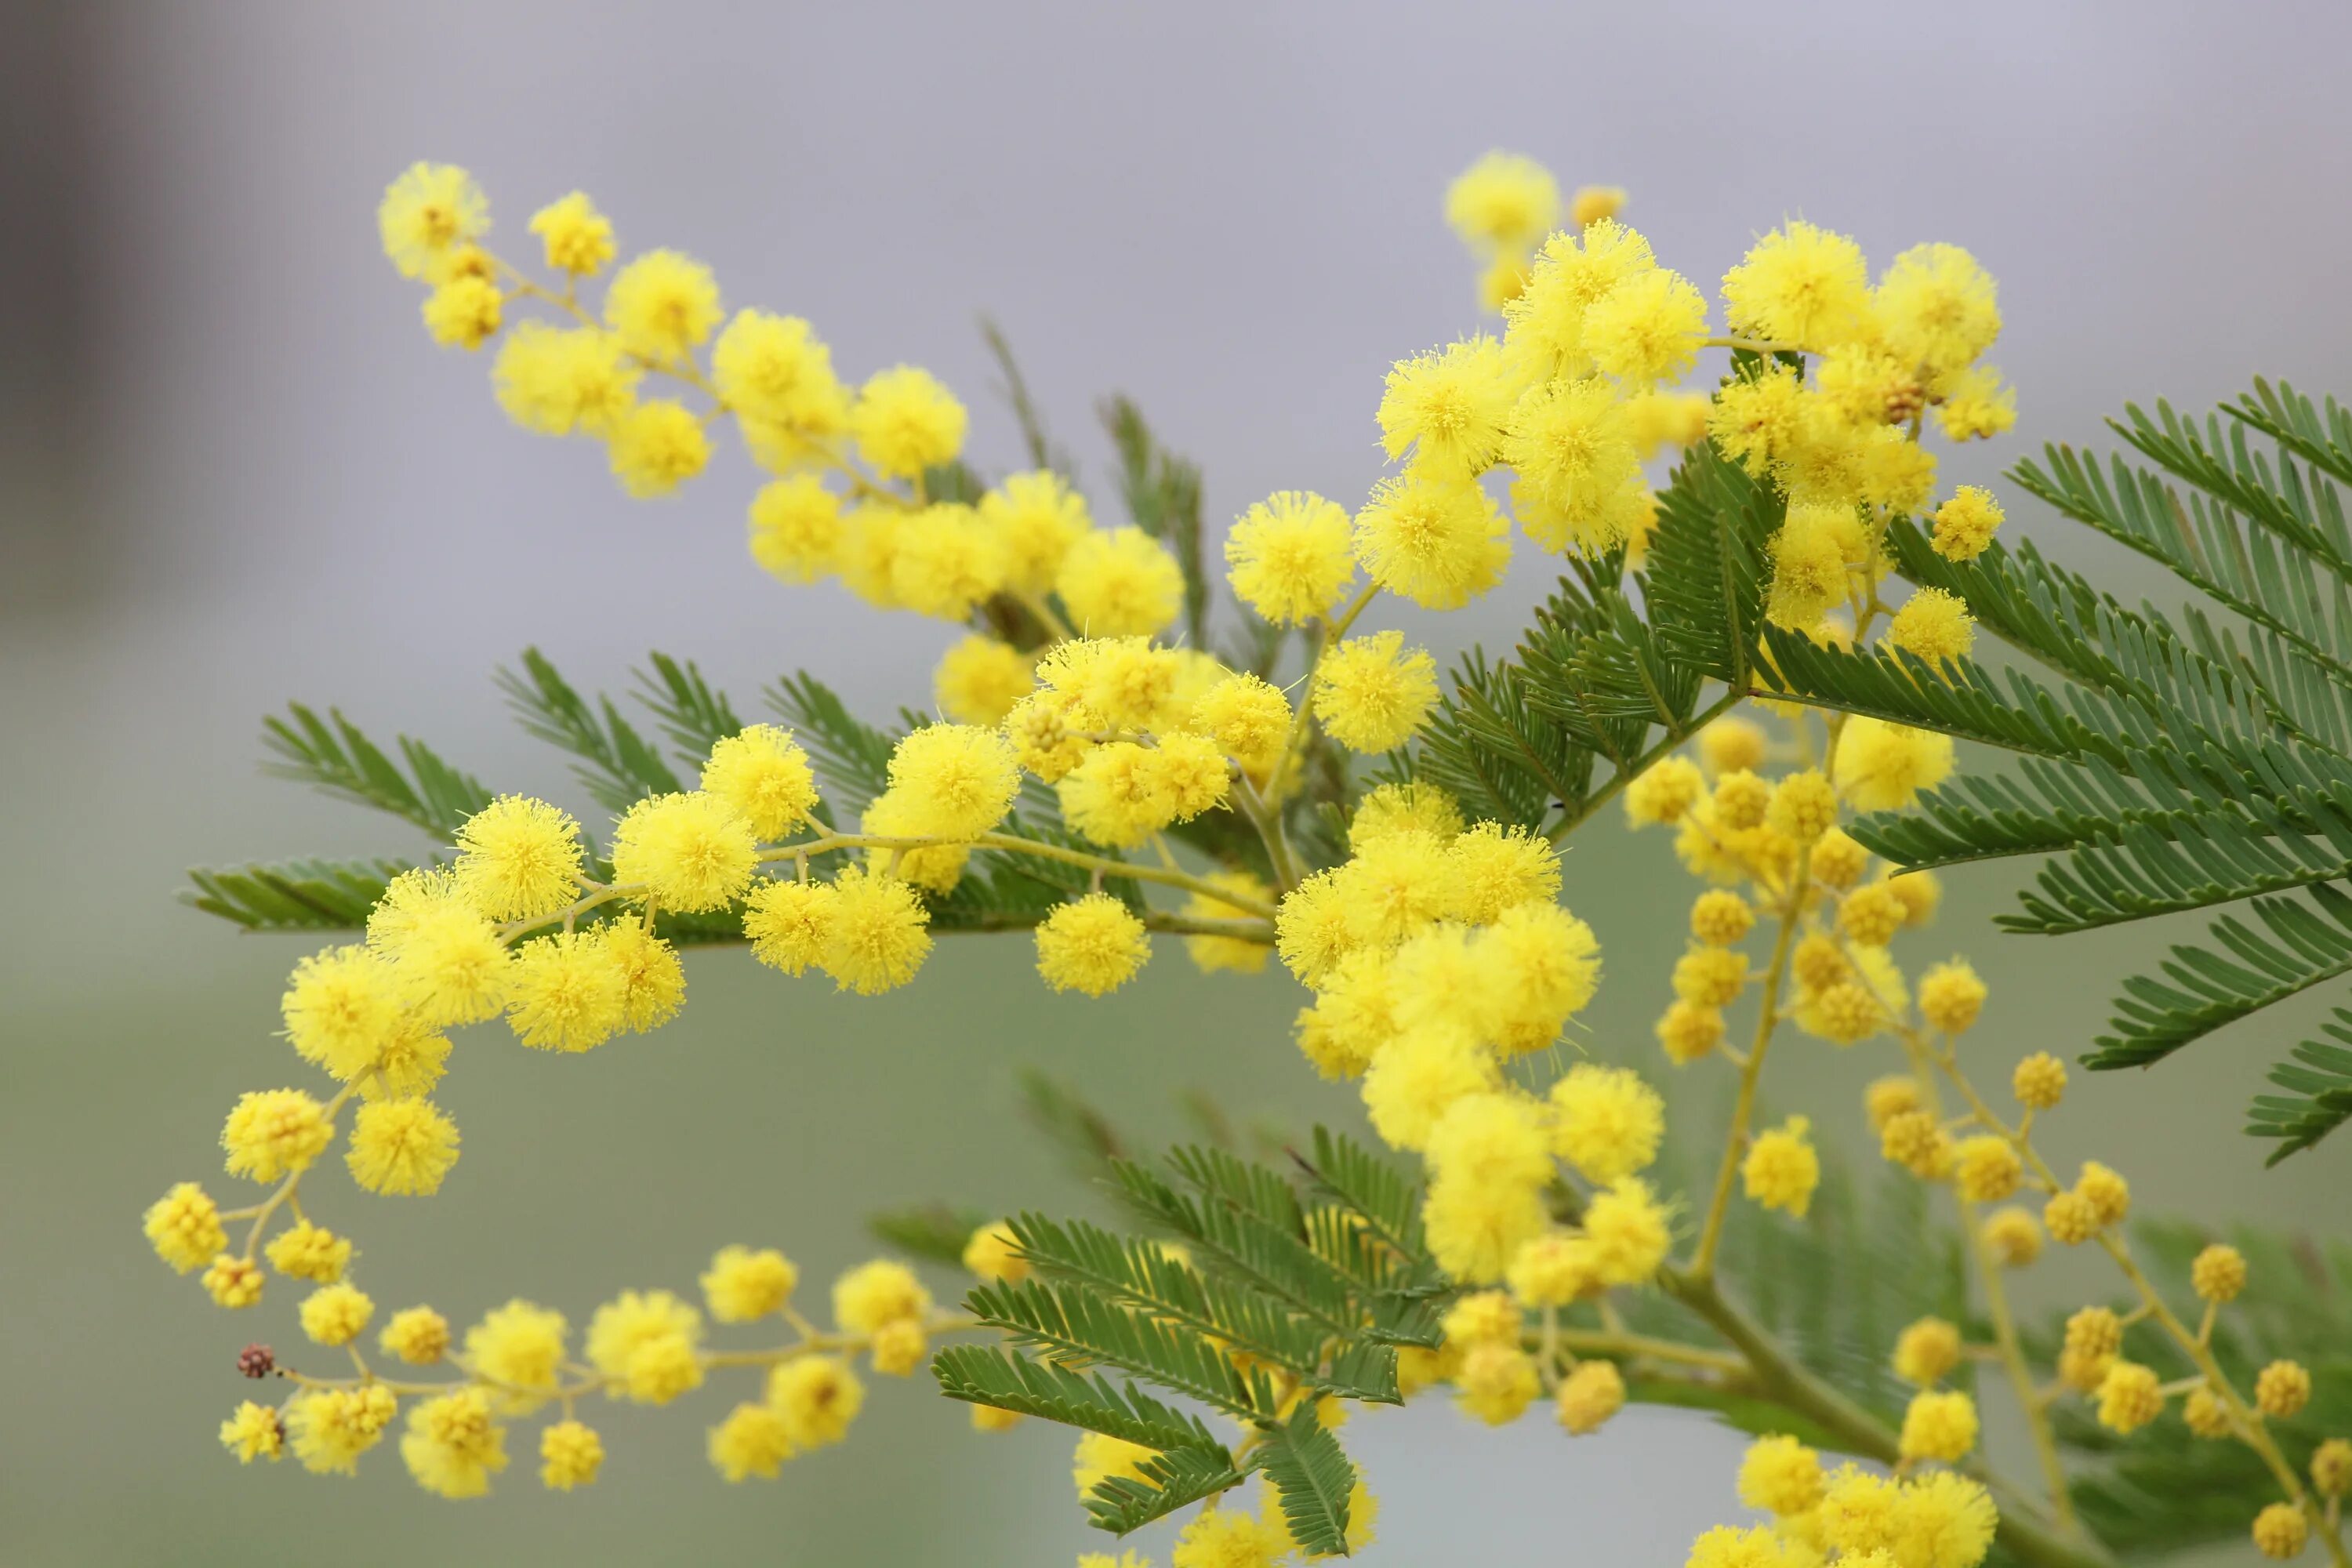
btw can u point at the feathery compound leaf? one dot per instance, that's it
(981, 1375)
(694, 716)
(615, 764)
(1312, 1479)
(1705, 580)
(1168, 1481)
(1076, 1327)
(851, 757)
(938, 1232)
(1383, 1192)
(2301, 945)
(2318, 1078)
(293, 895)
(334, 755)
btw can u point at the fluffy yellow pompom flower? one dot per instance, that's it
(980, 679)
(2107, 1193)
(1720, 917)
(2281, 1531)
(2219, 1273)
(416, 1335)
(790, 924)
(1405, 808)
(336, 1314)
(1756, 419)
(1629, 1232)
(2039, 1081)
(743, 1285)
(185, 1228)
(876, 1293)
(796, 531)
(1781, 1170)
(1447, 408)
(1227, 1538)
(1589, 1396)
(945, 563)
(1505, 202)
(2130, 1396)
(271, 1133)
(1035, 518)
(232, 1281)
(817, 1398)
(448, 963)
(692, 852)
(1688, 1031)
(2282, 1389)
(1710, 976)
(1212, 953)
(462, 314)
(958, 780)
(1372, 693)
(751, 1441)
(775, 369)
(1926, 1351)
(656, 446)
(452, 1445)
(1663, 794)
(1497, 868)
(1545, 332)
(519, 858)
(1987, 1169)
(643, 1341)
(578, 238)
(1936, 308)
(1592, 203)
(1951, 996)
(1800, 285)
(1248, 717)
(2070, 1219)
(1647, 329)
(1964, 524)
(401, 1146)
(252, 1432)
(1551, 1271)
(330, 1428)
(662, 304)
(1093, 944)
(341, 1007)
(1568, 443)
(1120, 582)
(1782, 1477)
(762, 773)
(429, 211)
(1934, 625)
(570, 1455)
(567, 992)
(1608, 1122)
(1289, 557)
(905, 421)
(1433, 539)
(565, 381)
(1939, 1426)
(1882, 766)
(1976, 404)
(876, 932)
(1496, 1383)
(307, 1251)
(1869, 916)
(2015, 1236)
(520, 1346)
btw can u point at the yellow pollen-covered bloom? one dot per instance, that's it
(570, 1455)
(1647, 329)
(2070, 1218)
(2282, 1389)
(1951, 996)
(2107, 1194)
(958, 780)
(336, 1314)
(1987, 1169)
(1780, 1477)
(1882, 766)
(1120, 582)
(416, 1335)
(1545, 323)
(1226, 1538)
(330, 1428)
(743, 1285)
(1914, 1140)
(565, 381)
(253, 1432)
(401, 1146)
(1667, 790)
(1710, 976)
(1939, 1426)
(1035, 518)
(656, 446)
(1447, 408)
(2130, 1396)
(1504, 202)
(232, 1281)
(1094, 944)
(1372, 692)
(2281, 1531)
(662, 304)
(1290, 556)
(185, 1228)
(452, 1445)
(567, 992)
(796, 531)
(946, 561)
(519, 858)
(877, 933)
(1964, 524)
(1804, 806)
(1934, 625)
(1568, 443)
(817, 1397)
(462, 314)
(1781, 1169)
(1926, 1351)
(1496, 1383)
(429, 210)
(1835, 860)
(790, 924)
(1935, 307)
(1607, 1121)
(980, 679)
(341, 1008)
(1629, 1232)
(1740, 800)
(271, 1133)
(521, 1347)
(775, 370)
(752, 1440)
(577, 238)
(1688, 1031)
(1869, 916)
(1799, 284)
(1757, 418)
(1496, 869)
(763, 774)
(2331, 1468)
(2015, 1236)
(2217, 1273)
(2039, 1081)
(1592, 203)
(1589, 1396)
(905, 421)
(307, 1251)
(643, 1342)
(692, 852)
(1433, 539)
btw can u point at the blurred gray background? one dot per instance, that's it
(233, 472)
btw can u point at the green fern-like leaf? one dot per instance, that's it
(294, 895)
(687, 708)
(981, 1375)
(334, 755)
(1312, 1479)
(2317, 1077)
(612, 762)
(1166, 1482)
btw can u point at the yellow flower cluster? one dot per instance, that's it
(1087, 740)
